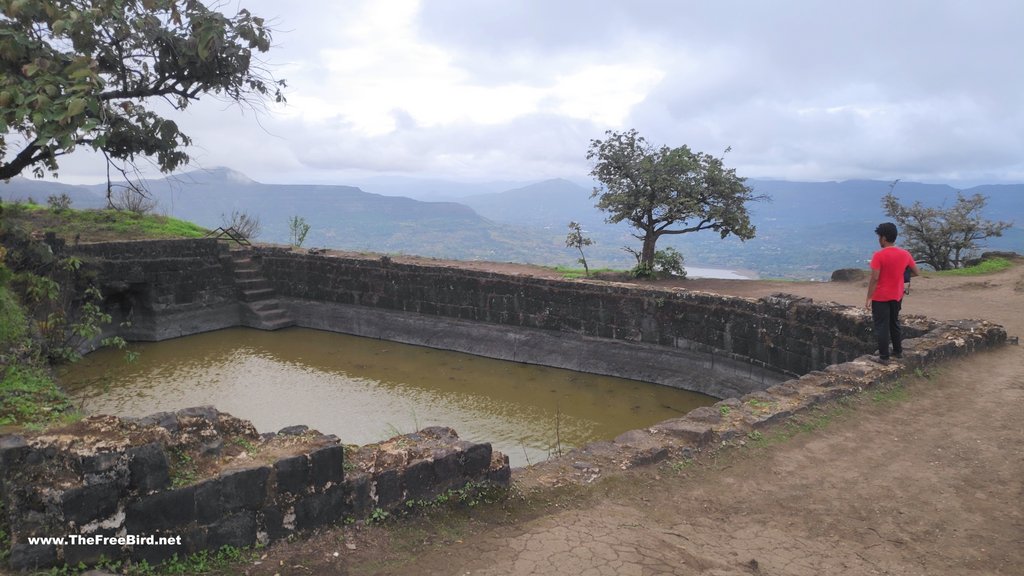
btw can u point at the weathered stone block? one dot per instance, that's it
(84, 504)
(297, 430)
(692, 432)
(387, 488)
(320, 509)
(148, 468)
(648, 456)
(163, 510)
(230, 492)
(447, 468)
(475, 459)
(238, 530)
(98, 462)
(25, 556)
(91, 554)
(292, 474)
(244, 488)
(271, 520)
(208, 413)
(13, 450)
(704, 414)
(327, 465)
(419, 480)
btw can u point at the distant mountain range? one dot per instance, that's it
(806, 230)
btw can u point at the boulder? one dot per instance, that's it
(849, 275)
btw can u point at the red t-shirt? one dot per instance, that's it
(890, 262)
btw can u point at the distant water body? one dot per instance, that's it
(719, 273)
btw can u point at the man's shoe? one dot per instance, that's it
(897, 355)
(881, 359)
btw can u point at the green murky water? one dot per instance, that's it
(365, 390)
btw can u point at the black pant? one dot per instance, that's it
(887, 326)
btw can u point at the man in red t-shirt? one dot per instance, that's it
(885, 290)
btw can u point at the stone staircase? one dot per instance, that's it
(260, 306)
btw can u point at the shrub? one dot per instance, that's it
(59, 202)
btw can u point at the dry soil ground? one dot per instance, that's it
(925, 479)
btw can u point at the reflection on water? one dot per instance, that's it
(366, 390)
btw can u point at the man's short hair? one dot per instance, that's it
(888, 231)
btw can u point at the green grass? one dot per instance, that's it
(130, 224)
(224, 560)
(99, 225)
(568, 272)
(12, 321)
(990, 266)
(29, 397)
(888, 393)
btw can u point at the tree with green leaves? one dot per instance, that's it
(943, 238)
(662, 191)
(576, 239)
(82, 72)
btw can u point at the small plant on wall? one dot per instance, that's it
(298, 228)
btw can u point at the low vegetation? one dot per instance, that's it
(989, 266)
(28, 395)
(570, 272)
(97, 225)
(30, 398)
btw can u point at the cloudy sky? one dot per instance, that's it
(928, 90)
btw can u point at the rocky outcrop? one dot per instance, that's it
(850, 275)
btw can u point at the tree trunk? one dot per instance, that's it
(647, 254)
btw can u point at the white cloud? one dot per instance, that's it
(467, 89)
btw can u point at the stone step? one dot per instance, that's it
(265, 305)
(277, 324)
(257, 294)
(255, 283)
(272, 314)
(247, 273)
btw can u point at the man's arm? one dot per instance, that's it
(913, 269)
(871, 287)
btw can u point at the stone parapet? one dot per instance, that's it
(738, 419)
(786, 333)
(213, 481)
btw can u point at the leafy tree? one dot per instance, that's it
(576, 239)
(666, 190)
(80, 73)
(943, 238)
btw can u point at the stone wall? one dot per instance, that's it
(212, 480)
(121, 477)
(163, 289)
(736, 420)
(785, 333)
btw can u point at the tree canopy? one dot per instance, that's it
(941, 237)
(667, 190)
(79, 73)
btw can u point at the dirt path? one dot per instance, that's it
(928, 479)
